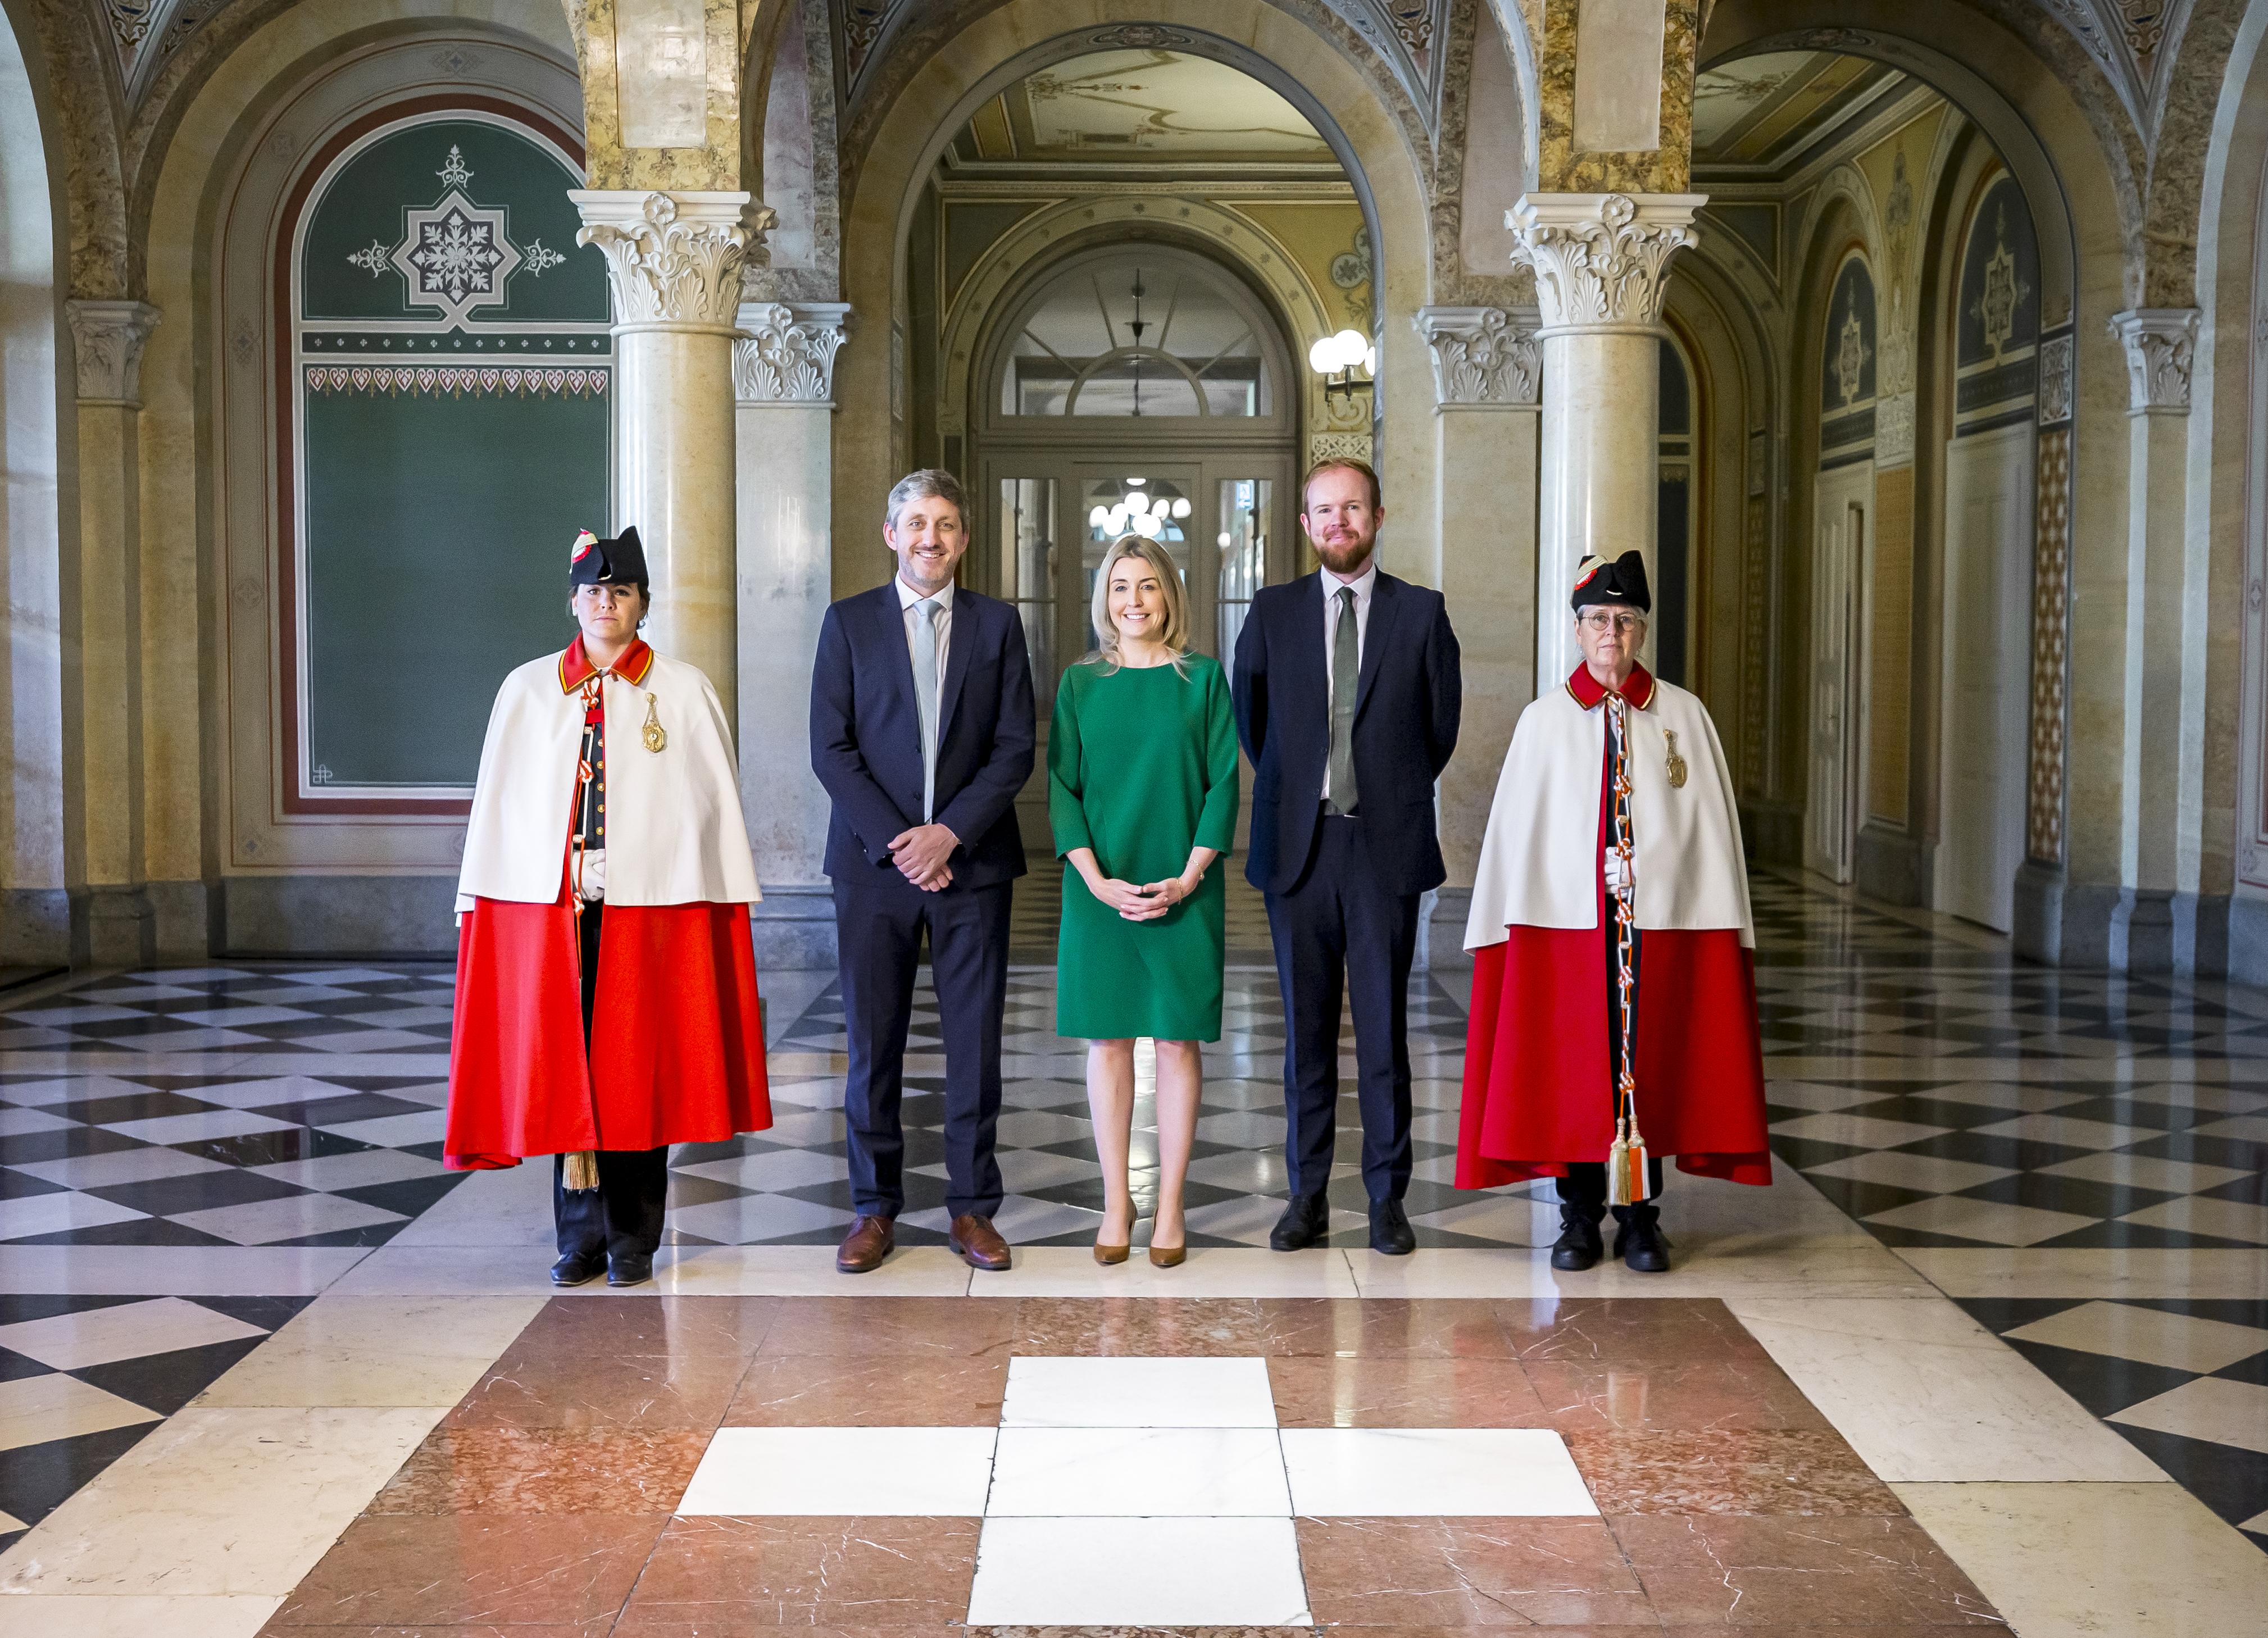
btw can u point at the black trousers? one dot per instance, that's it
(623, 1216)
(880, 925)
(1339, 936)
(1586, 1182)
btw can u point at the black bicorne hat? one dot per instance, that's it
(1621, 581)
(617, 562)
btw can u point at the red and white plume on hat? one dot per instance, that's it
(583, 542)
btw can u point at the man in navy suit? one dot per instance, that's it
(1347, 693)
(921, 730)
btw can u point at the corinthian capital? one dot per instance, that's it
(1601, 260)
(785, 353)
(2161, 345)
(673, 261)
(1482, 356)
(107, 337)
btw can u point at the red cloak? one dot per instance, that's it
(677, 1038)
(1538, 1090)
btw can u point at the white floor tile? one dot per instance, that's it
(393, 1131)
(96, 1336)
(2144, 1171)
(16, 1123)
(2258, 1525)
(1107, 1572)
(367, 1041)
(2067, 1130)
(376, 1351)
(359, 1169)
(2179, 1341)
(1496, 1473)
(1999, 1221)
(1930, 1173)
(1815, 1096)
(2198, 1214)
(243, 1017)
(773, 1169)
(1133, 1472)
(1021, 1218)
(1925, 1394)
(293, 1218)
(260, 1091)
(504, 1206)
(2221, 1271)
(2088, 1560)
(752, 1218)
(130, 1616)
(1137, 1392)
(36, 1409)
(28, 1215)
(2244, 1129)
(1512, 1219)
(197, 1128)
(2213, 1408)
(189, 1270)
(116, 1166)
(829, 1472)
(1855, 1131)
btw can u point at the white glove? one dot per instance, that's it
(594, 876)
(1620, 880)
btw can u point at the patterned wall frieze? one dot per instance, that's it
(1893, 430)
(2043, 826)
(107, 338)
(673, 259)
(2055, 378)
(786, 352)
(1339, 446)
(455, 381)
(1484, 357)
(1601, 260)
(2161, 345)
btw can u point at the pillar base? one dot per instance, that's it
(2143, 931)
(35, 927)
(1892, 865)
(112, 926)
(794, 929)
(1441, 935)
(407, 917)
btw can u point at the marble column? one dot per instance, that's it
(112, 923)
(784, 388)
(1487, 375)
(674, 263)
(2153, 927)
(1601, 264)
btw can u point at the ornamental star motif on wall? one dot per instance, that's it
(455, 254)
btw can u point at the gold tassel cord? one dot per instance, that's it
(582, 1172)
(1626, 1159)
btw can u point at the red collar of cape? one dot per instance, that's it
(575, 667)
(1589, 691)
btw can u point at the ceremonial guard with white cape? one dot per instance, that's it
(607, 798)
(1613, 1012)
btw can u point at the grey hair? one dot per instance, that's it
(930, 484)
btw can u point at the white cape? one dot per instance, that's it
(674, 833)
(1540, 863)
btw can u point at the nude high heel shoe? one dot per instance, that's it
(1108, 1256)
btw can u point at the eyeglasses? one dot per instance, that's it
(1600, 621)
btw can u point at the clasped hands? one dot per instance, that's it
(1145, 903)
(920, 855)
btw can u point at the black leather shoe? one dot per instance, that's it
(1306, 1222)
(579, 1267)
(1580, 1244)
(1639, 1242)
(630, 1268)
(1389, 1229)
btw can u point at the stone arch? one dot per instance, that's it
(79, 78)
(790, 156)
(2184, 147)
(895, 141)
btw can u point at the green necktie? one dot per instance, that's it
(1346, 671)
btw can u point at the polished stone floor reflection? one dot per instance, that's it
(1994, 1347)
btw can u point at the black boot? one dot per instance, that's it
(1580, 1245)
(1639, 1242)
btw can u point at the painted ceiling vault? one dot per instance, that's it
(1121, 106)
(1760, 116)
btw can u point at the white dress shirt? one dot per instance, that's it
(1362, 585)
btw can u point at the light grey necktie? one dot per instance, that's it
(1346, 671)
(925, 696)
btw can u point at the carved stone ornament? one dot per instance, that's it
(673, 261)
(2161, 345)
(2055, 380)
(1893, 430)
(107, 338)
(786, 353)
(1602, 260)
(1482, 356)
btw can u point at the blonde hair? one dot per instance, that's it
(1176, 633)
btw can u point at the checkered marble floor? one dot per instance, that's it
(1947, 1096)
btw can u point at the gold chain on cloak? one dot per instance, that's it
(1626, 1161)
(581, 1172)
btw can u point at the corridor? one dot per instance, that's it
(267, 1368)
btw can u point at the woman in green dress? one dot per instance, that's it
(1141, 797)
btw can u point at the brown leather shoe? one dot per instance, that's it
(869, 1241)
(979, 1244)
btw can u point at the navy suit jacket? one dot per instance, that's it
(865, 736)
(1408, 697)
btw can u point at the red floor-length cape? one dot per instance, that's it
(677, 1038)
(1538, 1090)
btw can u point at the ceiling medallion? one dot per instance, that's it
(1141, 37)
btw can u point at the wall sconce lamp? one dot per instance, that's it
(1337, 357)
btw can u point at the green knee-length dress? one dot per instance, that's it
(1142, 767)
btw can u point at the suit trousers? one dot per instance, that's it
(880, 926)
(1339, 936)
(622, 1215)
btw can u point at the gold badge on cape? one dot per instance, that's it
(655, 738)
(1676, 762)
